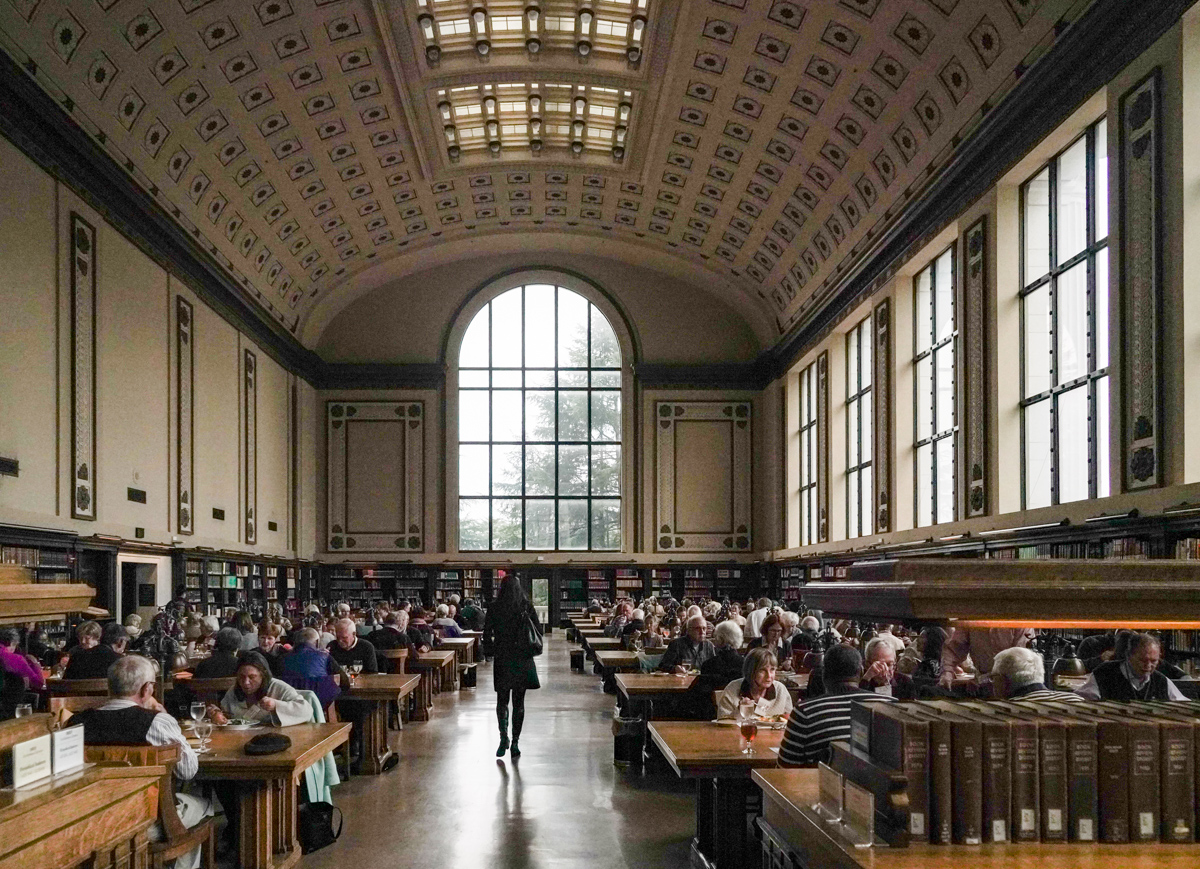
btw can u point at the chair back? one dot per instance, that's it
(148, 755)
(209, 690)
(393, 660)
(716, 698)
(74, 703)
(78, 687)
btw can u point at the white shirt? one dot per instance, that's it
(164, 730)
(754, 623)
(1091, 690)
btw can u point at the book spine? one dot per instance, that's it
(916, 768)
(1082, 799)
(941, 783)
(1177, 808)
(1113, 765)
(997, 782)
(967, 741)
(1024, 753)
(1052, 758)
(1144, 780)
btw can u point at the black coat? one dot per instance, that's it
(504, 638)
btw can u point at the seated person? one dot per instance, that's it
(723, 667)
(690, 651)
(308, 668)
(419, 631)
(633, 631)
(222, 663)
(652, 638)
(1020, 674)
(133, 717)
(814, 724)
(757, 688)
(26, 667)
(881, 675)
(1133, 676)
(349, 648)
(471, 617)
(771, 638)
(38, 645)
(98, 649)
(1097, 649)
(393, 634)
(256, 696)
(620, 618)
(269, 644)
(444, 625)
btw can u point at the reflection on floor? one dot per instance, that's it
(450, 803)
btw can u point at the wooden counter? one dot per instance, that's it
(788, 823)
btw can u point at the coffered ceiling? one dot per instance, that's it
(303, 143)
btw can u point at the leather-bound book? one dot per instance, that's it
(941, 775)
(901, 741)
(966, 745)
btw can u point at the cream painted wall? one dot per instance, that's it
(28, 292)
(273, 454)
(674, 322)
(217, 431)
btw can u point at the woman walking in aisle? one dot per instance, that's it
(512, 635)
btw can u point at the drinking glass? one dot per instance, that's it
(204, 729)
(355, 669)
(747, 726)
(197, 710)
(23, 710)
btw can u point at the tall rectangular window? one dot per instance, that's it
(1064, 325)
(808, 455)
(860, 442)
(935, 336)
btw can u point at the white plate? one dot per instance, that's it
(241, 726)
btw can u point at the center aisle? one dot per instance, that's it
(451, 803)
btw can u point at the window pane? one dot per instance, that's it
(606, 378)
(944, 296)
(475, 347)
(539, 470)
(1036, 317)
(1100, 187)
(506, 330)
(572, 524)
(1072, 344)
(864, 416)
(1036, 226)
(473, 378)
(606, 416)
(473, 469)
(539, 379)
(572, 378)
(506, 470)
(945, 479)
(864, 353)
(944, 359)
(507, 378)
(1101, 306)
(852, 362)
(1072, 200)
(924, 398)
(539, 524)
(472, 524)
(852, 509)
(539, 326)
(606, 470)
(506, 415)
(1037, 454)
(572, 330)
(923, 313)
(572, 416)
(925, 485)
(507, 524)
(866, 499)
(852, 436)
(1073, 445)
(605, 351)
(539, 415)
(606, 524)
(473, 413)
(1102, 470)
(573, 470)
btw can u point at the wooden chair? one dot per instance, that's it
(77, 687)
(177, 839)
(63, 708)
(209, 690)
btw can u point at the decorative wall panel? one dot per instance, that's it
(884, 416)
(975, 367)
(185, 404)
(823, 447)
(704, 476)
(376, 476)
(83, 368)
(250, 444)
(1141, 282)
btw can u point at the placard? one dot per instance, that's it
(858, 815)
(830, 784)
(67, 749)
(31, 761)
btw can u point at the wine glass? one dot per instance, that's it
(197, 710)
(748, 727)
(355, 669)
(204, 729)
(23, 710)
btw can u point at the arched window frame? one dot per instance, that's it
(451, 348)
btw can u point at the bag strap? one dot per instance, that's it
(340, 819)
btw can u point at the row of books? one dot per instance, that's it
(32, 556)
(1039, 771)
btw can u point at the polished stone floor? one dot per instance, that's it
(450, 803)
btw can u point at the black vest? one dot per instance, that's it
(1114, 686)
(127, 726)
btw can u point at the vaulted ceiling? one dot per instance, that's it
(305, 143)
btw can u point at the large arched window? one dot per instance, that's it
(539, 424)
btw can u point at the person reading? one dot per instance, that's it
(690, 651)
(1020, 674)
(1134, 676)
(757, 688)
(98, 649)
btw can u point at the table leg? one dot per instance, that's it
(731, 832)
(705, 803)
(256, 832)
(375, 745)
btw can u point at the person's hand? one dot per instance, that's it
(268, 703)
(878, 673)
(154, 706)
(33, 662)
(216, 715)
(680, 670)
(947, 678)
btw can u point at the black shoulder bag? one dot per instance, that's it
(314, 822)
(533, 633)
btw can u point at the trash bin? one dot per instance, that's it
(629, 739)
(577, 659)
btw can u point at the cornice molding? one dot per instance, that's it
(352, 375)
(739, 375)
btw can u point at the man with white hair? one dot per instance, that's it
(444, 624)
(1020, 674)
(690, 651)
(1134, 676)
(880, 674)
(755, 619)
(133, 717)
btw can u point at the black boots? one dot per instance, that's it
(518, 722)
(502, 719)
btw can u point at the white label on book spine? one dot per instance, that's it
(1028, 820)
(999, 834)
(916, 823)
(1085, 830)
(1146, 823)
(31, 761)
(68, 749)
(1054, 820)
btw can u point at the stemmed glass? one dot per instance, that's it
(355, 669)
(204, 729)
(197, 710)
(748, 727)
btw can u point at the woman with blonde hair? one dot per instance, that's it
(757, 688)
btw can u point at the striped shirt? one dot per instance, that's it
(1049, 694)
(816, 723)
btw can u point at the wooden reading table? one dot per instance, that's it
(436, 666)
(712, 753)
(266, 786)
(618, 662)
(789, 825)
(395, 660)
(378, 690)
(651, 694)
